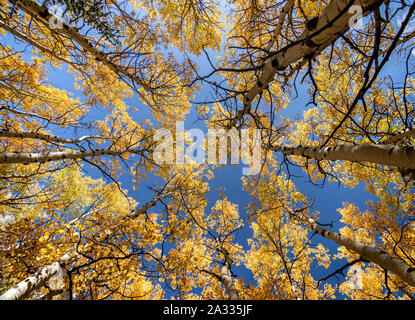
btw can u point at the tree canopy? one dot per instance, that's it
(105, 195)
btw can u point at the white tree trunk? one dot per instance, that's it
(400, 156)
(42, 14)
(320, 32)
(226, 275)
(405, 272)
(23, 289)
(407, 133)
(227, 281)
(34, 282)
(44, 137)
(29, 157)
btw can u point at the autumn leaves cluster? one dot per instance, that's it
(86, 212)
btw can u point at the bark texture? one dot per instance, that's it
(42, 14)
(43, 136)
(399, 267)
(30, 157)
(406, 134)
(405, 272)
(228, 282)
(34, 282)
(23, 289)
(226, 275)
(393, 155)
(319, 33)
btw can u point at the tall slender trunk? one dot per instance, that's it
(407, 133)
(31, 157)
(228, 282)
(226, 275)
(42, 14)
(43, 136)
(36, 281)
(23, 289)
(405, 272)
(401, 156)
(320, 32)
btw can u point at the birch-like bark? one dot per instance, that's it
(393, 155)
(405, 272)
(320, 32)
(44, 137)
(29, 157)
(226, 276)
(36, 281)
(23, 289)
(407, 133)
(42, 14)
(228, 282)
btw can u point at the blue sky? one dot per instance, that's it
(327, 199)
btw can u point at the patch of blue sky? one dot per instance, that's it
(327, 198)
